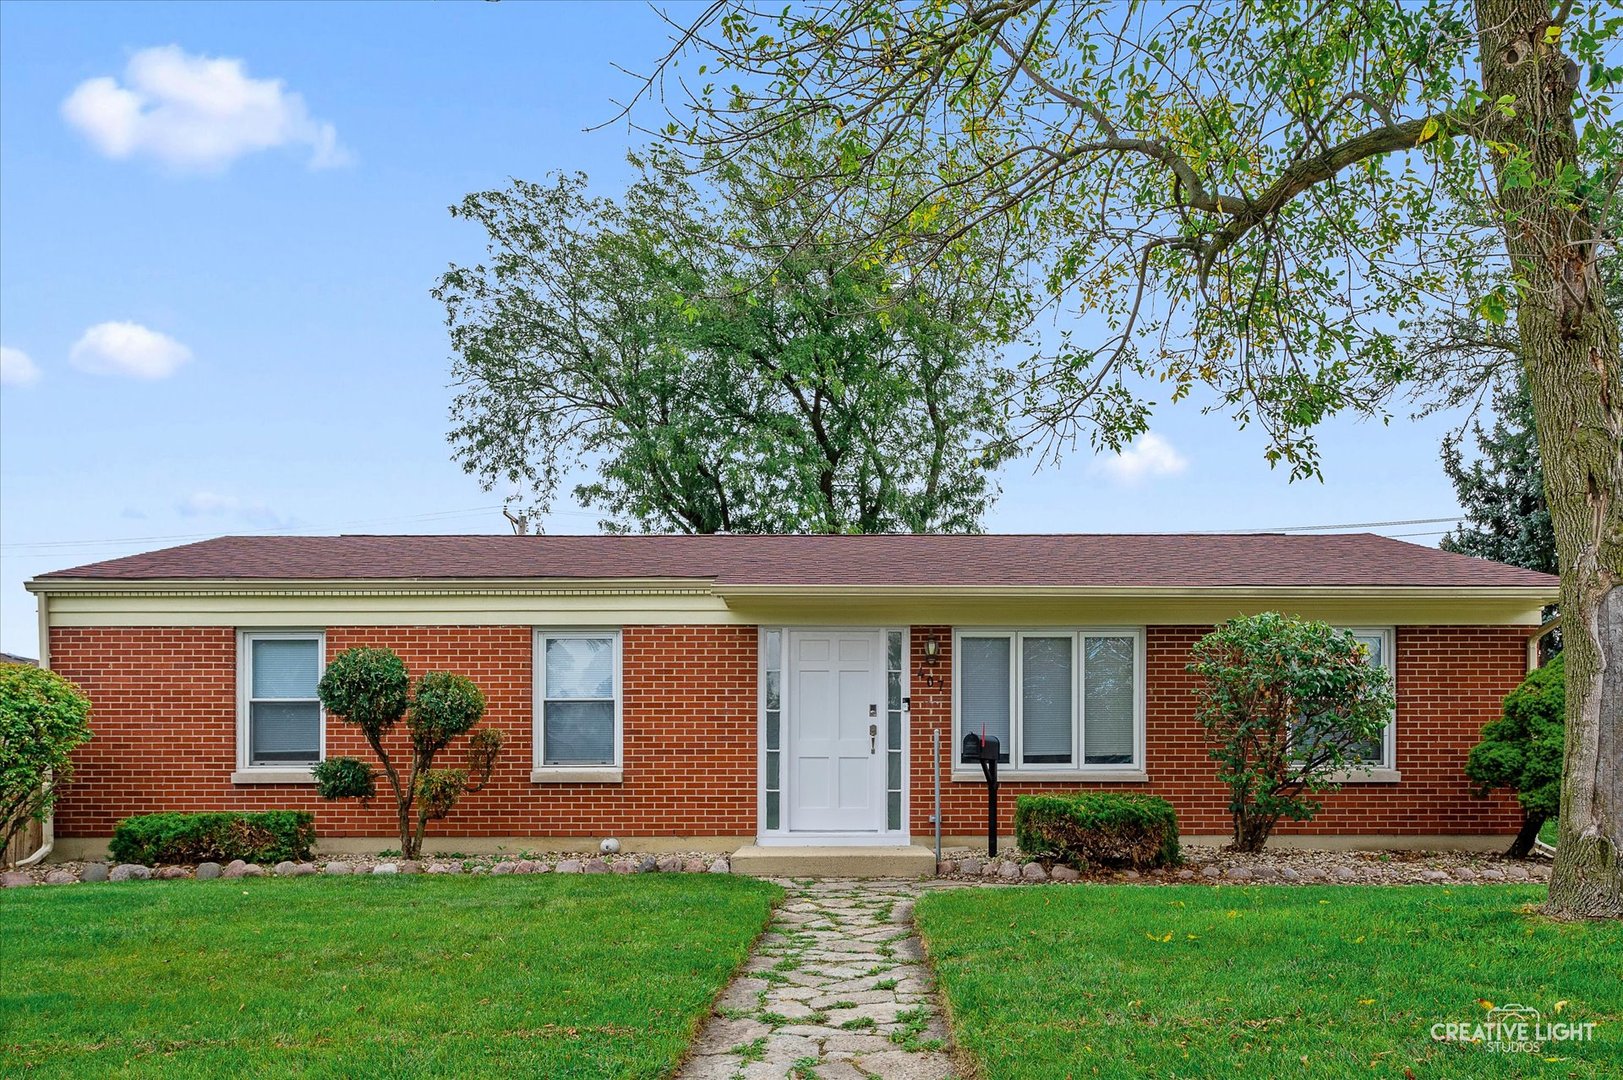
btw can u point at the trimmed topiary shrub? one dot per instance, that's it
(1102, 828)
(344, 778)
(267, 837)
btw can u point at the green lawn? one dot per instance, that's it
(1194, 981)
(406, 976)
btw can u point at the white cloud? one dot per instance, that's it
(1149, 455)
(126, 348)
(213, 505)
(17, 368)
(196, 113)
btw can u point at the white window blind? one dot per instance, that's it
(1109, 682)
(1046, 692)
(984, 687)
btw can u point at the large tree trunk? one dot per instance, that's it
(1570, 352)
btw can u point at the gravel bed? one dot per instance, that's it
(1286, 866)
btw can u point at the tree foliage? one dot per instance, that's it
(1260, 199)
(1502, 490)
(1286, 704)
(43, 719)
(709, 352)
(371, 689)
(1521, 751)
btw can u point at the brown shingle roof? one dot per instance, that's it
(1109, 560)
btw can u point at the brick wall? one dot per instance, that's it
(1451, 680)
(165, 725)
(165, 734)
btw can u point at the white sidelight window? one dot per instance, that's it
(1058, 700)
(280, 718)
(578, 699)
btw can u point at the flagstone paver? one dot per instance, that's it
(836, 990)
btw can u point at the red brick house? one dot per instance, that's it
(718, 691)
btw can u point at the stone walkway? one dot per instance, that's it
(837, 990)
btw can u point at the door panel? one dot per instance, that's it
(835, 778)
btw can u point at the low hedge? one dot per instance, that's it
(1103, 828)
(267, 837)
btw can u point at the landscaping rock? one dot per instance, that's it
(693, 866)
(208, 871)
(946, 868)
(1008, 871)
(503, 868)
(130, 872)
(1433, 875)
(1290, 874)
(386, 868)
(1034, 872)
(171, 873)
(441, 868)
(286, 868)
(1237, 873)
(1465, 873)
(971, 866)
(1516, 873)
(570, 866)
(1064, 873)
(1493, 874)
(1185, 874)
(622, 867)
(96, 871)
(1211, 871)
(16, 879)
(61, 877)
(253, 870)
(595, 866)
(647, 865)
(1346, 873)
(670, 864)
(304, 869)
(234, 869)
(1265, 873)
(339, 868)
(410, 866)
(543, 867)
(1130, 875)
(527, 866)
(720, 866)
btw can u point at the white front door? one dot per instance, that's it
(836, 780)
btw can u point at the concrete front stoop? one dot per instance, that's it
(842, 862)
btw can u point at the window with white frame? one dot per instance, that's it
(578, 699)
(281, 718)
(1056, 699)
(1378, 753)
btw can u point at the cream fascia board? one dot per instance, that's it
(272, 603)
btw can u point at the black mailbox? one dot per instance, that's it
(977, 750)
(985, 752)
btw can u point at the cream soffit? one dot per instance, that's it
(706, 587)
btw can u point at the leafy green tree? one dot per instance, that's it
(370, 689)
(1522, 751)
(1258, 198)
(43, 719)
(710, 352)
(1286, 704)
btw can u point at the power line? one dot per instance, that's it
(1352, 525)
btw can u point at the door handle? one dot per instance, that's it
(873, 738)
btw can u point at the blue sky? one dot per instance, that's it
(228, 329)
